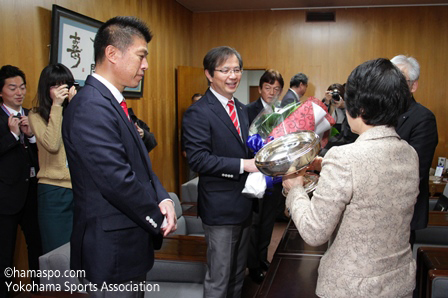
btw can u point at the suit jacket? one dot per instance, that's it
(418, 127)
(254, 108)
(366, 192)
(214, 150)
(16, 161)
(289, 97)
(116, 194)
(148, 137)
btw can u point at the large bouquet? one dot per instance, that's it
(276, 121)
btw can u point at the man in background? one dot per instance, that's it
(297, 88)
(418, 127)
(273, 202)
(120, 203)
(18, 169)
(215, 130)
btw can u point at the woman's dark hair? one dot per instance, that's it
(339, 87)
(377, 92)
(52, 75)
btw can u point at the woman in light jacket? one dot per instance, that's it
(55, 197)
(365, 195)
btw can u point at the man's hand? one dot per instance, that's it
(249, 165)
(167, 209)
(25, 126)
(140, 131)
(13, 124)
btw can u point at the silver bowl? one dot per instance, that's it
(288, 154)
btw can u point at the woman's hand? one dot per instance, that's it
(316, 164)
(71, 93)
(59, 93)
(327, 97)
(340, 104)
(293, 180)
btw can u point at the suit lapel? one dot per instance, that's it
(222, 114)
(131, 127)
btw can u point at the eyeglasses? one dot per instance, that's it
(226, 71)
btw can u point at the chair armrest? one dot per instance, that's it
(194, 225)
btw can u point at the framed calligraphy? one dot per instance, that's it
(72, 36)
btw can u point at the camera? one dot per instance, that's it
(335, 95)
(70, 84)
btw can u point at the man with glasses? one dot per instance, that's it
(273, 202)
(215, 132)
(297, 88)
(418, 127)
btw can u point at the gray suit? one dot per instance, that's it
(289, 97)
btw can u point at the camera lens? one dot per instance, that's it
(335, 95)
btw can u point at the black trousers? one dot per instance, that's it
(269, 207)
(27, 220)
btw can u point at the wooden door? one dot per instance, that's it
(190, 80)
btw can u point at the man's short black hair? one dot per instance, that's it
(9, 71)
(270, 76)
(219, 55)
(119, 32)
(377, 92)
(297, 79)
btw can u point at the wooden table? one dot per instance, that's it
(293, 270)
(431, 262)
(436, 188)
(438, 218)
(183, 248)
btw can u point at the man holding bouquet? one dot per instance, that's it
(215, 131)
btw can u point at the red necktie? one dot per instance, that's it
(233, 117)
(125, 107)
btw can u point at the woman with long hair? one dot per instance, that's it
(55, 197)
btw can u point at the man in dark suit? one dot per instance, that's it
(418, 127)
(215, 130)
(297, 88)
(18, 182)
(273, 202)
(119, 201)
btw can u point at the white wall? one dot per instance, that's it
(249, 78)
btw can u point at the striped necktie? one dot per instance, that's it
(233, 117)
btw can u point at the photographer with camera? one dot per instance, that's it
(334, 100)
(55, 90)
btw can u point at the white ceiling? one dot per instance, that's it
(244, 5)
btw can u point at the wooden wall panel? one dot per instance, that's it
(327, 52)
(25, 29)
